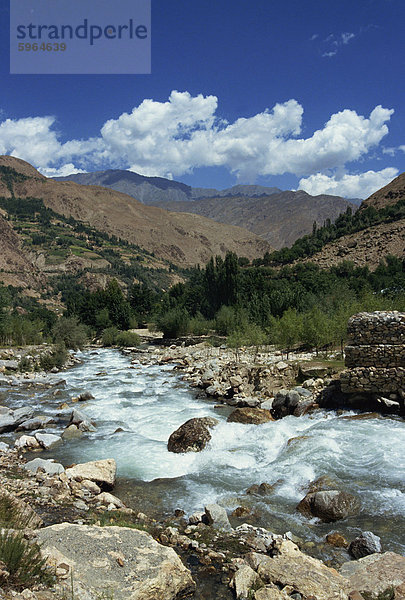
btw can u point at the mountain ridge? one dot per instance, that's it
(183, 239)
(279, 217)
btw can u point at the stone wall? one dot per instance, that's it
(379, 327)
(378, 355)
(375, 355)
(375, 380)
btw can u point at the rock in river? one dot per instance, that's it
(365, 544)
(192, 436)
(124, 563)
(247, 415)
(330, 505)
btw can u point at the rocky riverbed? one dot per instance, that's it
(226, 548)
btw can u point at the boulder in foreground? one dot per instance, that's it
(116, 562)
(192, 436)
(377, 576)
(308, 576)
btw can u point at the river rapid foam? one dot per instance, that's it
(146, 403)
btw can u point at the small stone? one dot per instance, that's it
(365, 544)
(48, 440)
(217, 517)
(337, 540)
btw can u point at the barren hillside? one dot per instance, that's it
(185, 239)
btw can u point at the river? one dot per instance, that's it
(146, 403)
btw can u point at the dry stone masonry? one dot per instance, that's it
(375, 356)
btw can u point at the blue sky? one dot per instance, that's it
(296, 94)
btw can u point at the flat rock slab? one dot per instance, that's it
(102, 472)
(126, 563)
(375, 574)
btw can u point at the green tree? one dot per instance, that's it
(289, 330)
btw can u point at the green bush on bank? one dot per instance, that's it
(56, 358)
(112, 336)
(127, 339)
(173, 323)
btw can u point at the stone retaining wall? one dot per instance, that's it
(379, 327)
(375, 380)
(375, 355)
(378, 355)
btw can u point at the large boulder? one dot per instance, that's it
(38, 422)
(250, 416)
(102, 472)
(376, 576)
(192, 436)
(48, 440)
(329, 505)
(244, 580)
(117, 562)
(48, 466)
(305, 574)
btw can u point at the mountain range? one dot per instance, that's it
(152, 190)
(280, 217)
(164, 237)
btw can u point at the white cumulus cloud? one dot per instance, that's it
(186, 132)
(348, 186)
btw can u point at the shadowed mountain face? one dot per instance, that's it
(276, 216)
(280, 218)
(184, 239)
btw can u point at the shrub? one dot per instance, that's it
(109, 336)
(229, 319)
(128, 338)
(174, 323)
(226, 320)
(25, 365)
(69, 331)
(13, 515)
(200, 326)
(23, 562)
(56, 358)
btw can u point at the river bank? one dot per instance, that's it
(218, 569)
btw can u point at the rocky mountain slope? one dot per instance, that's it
(17, 266)
(388, 195)
(280, 218)
(184, 239)
(370, 245)
(276, 216)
